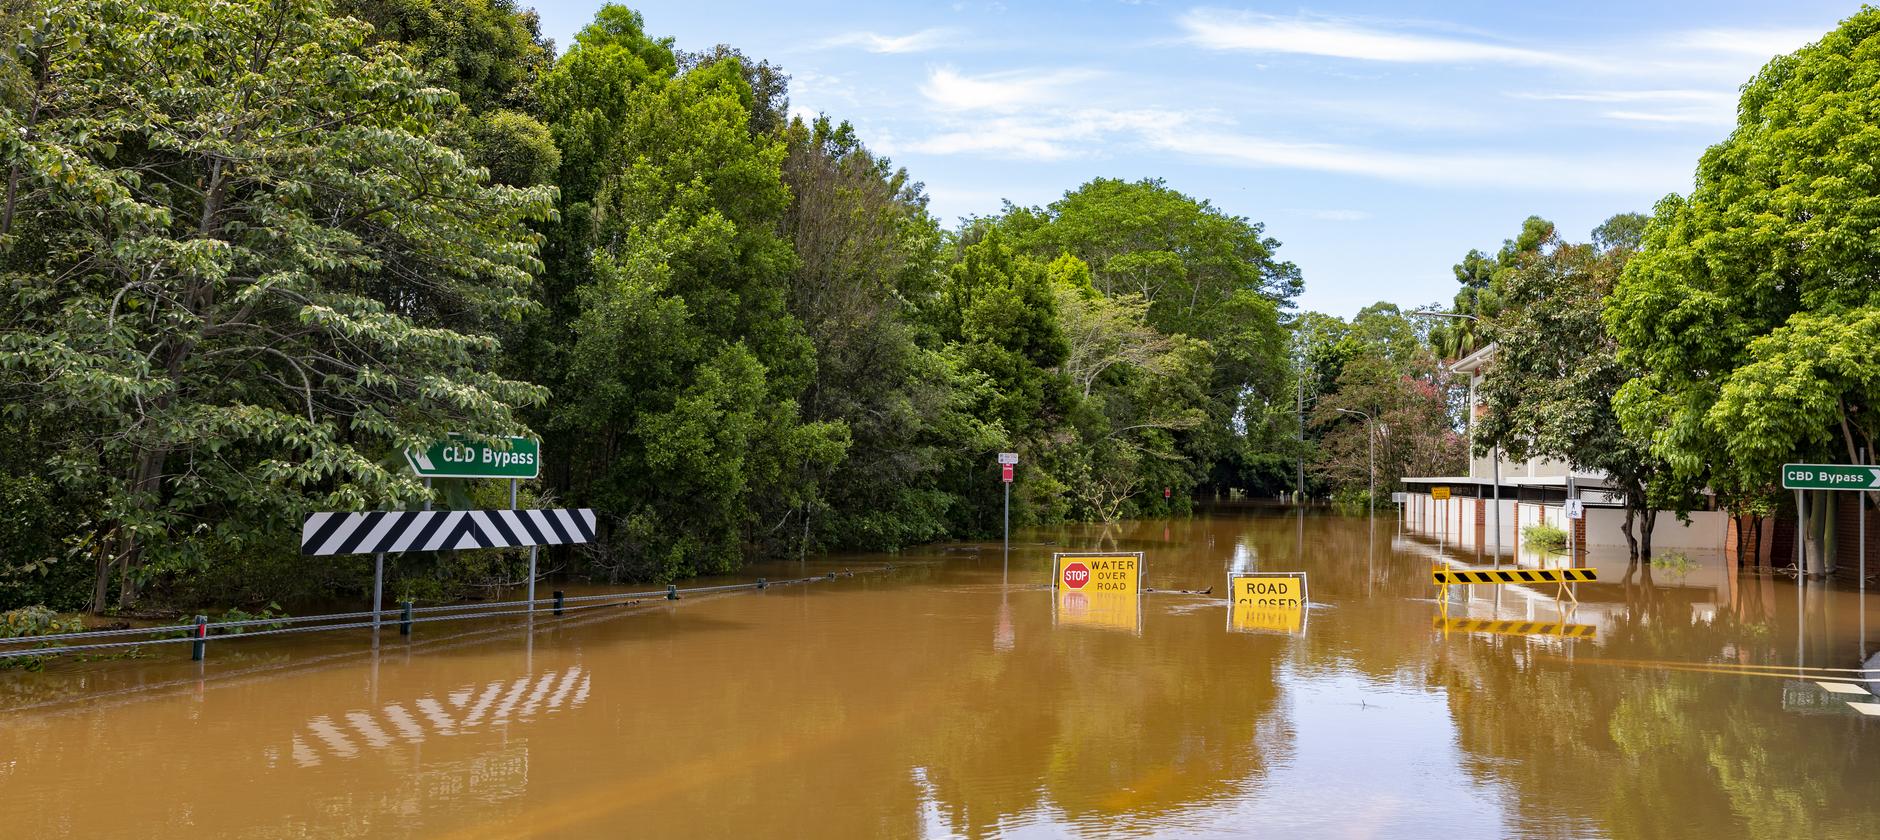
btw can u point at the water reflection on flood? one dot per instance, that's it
(949, 697)
(446, 716)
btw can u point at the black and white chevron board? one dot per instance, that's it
(393, 531)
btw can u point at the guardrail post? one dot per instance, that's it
(404, 619)
(672, 592)
(558, 601)
(199, 648)
(761, 583)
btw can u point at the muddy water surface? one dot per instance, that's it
(945, 698)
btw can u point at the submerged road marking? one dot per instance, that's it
(1841, 687)
(1867, 708)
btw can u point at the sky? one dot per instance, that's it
(1378, 142)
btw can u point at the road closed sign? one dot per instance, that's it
(1267, 602)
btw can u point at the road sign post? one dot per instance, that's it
(1007, 462)
(1800, 477)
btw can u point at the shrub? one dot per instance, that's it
(33, 621)
(1544, 537)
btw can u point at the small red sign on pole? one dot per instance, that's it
(1165, 492)
(1005, 471)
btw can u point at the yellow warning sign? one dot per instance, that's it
(1099, 574)
(1516, 627)
(1099, 589)
(1440, 494)
(1273, 602)
(1451, 577)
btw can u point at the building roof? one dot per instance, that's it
(1474, 361)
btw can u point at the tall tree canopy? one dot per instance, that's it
(1744, 310)
(1548, 391)
(240, 271)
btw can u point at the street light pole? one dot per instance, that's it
(1370, 458)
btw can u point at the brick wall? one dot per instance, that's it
(1847, 537)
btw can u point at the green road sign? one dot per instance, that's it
(459, 457)
(1829, 477)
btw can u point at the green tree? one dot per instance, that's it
(1384, 371)
(865, 246)
(996, 313)
(1549, 390)
(680, 389)
(1204, 274)
(241, 270)
(1776, 240)
(493, 56)
(1133, 387)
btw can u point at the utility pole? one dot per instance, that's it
(1496, 454)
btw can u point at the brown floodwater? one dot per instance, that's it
(947, 697)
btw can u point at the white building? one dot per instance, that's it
(1534, 491)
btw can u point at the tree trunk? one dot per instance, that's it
(1755, 540)
(1648, 518)
(144, 490)
(1631, 542)
(101, 585)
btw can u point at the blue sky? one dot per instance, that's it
(1378, 142)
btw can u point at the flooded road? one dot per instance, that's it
(945, 698)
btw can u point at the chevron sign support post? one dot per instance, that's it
(442, 530)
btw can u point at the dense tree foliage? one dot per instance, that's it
(240, 272)
(1380, 403)
(1548, 392)
(253, 250)
(1747, 311)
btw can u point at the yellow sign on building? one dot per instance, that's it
(1273, 602)
(1440, 494)
(1099, 590)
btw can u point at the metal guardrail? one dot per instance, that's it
(405, 616)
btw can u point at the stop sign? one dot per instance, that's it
(1076, 575)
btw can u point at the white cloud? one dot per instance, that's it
(1667, 106)
(1677, 117)
(921, 41)
(1009, 91)
(1708, 97)
(1757, 43)
(1462, 168)
(1046, 136)
(1333, 215)
(1340, 38)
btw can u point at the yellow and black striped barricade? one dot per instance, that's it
(1451, 577)
(1515, 627)
(1455, 577)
